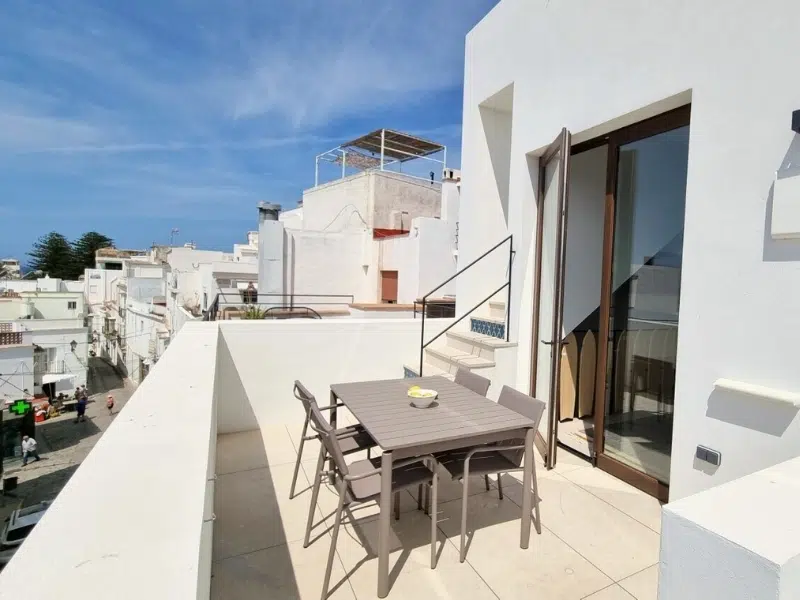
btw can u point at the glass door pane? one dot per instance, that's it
(645, 294)
(550, 244)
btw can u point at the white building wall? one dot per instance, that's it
(736, 321)
(331, 263)
(292, 219)
(16, 370)
(337, 206)
(393, 194)
(401, 254)
(45, 305)
(58, 337)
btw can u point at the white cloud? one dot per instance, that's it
(344, 58)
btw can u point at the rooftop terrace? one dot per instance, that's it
(186, 495)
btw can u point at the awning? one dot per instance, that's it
(56, 377)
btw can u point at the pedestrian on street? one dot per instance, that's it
(29, 449)
(81, 408)
(110, 404)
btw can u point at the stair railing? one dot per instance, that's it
(506, 285)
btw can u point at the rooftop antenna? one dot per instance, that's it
(175, 231)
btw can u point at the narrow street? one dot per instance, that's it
(63, 444)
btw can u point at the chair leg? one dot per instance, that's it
(463, 551)
(397, 506)
(538, 518)
(334, 535)
(299, 457)
(420, 487)
(314, 494)
(500, 485)
(486, 479)
(434, 509)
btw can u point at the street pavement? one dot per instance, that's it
(63, 444)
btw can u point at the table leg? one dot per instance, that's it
(331, 464)
(383, 525)
(527, 492)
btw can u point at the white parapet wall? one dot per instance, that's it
(737, 541)
(260, 360)
(134, 520)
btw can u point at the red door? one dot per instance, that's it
(389, 287)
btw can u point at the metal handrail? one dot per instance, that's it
(507, 284)
(310, 313)
(220, 301)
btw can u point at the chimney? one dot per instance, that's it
(270, 252)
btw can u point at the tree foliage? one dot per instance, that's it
(54, 255)
(84, 248)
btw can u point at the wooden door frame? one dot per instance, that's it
(679, 117)
(560, 146)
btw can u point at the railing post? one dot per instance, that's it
(422, 338)
(508, 297)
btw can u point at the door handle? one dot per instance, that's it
(552, 343)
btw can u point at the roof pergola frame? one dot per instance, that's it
(380, 149)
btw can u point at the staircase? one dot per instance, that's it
(473, 349)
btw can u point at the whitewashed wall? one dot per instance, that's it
(155, 443)
(330, 263)
(401, 254)
(337, 206)
(736, 320)
(267, 357)
(76, 362)
(16, 370)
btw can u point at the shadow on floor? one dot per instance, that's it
(44, 487)
(251, 557)
(63, 432)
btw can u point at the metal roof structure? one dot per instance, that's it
(380, 149)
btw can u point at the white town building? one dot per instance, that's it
(372, 238)
(10, 268)
(52, 322)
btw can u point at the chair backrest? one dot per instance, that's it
(327, 436)
(527, 407)
(476, 383)
(302, 394)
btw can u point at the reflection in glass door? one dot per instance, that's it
(645, 282)
(549, 285)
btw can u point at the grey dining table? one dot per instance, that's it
(460, 418)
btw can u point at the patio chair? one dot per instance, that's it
(351, 439)
(361, 482)
(479, 385)
(499, 458)
(472, 381)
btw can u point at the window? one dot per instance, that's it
(72, 305)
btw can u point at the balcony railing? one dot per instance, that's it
(10, 338)
(227, 305)
(58, 367)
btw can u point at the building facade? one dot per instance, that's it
(644, 181)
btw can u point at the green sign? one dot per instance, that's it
(20, 407)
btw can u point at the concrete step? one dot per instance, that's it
(497, 310)
(476, 343)
(450, 359)
(428, 370)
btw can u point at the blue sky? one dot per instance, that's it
(131, 118)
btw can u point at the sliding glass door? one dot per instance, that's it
(639, 317)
